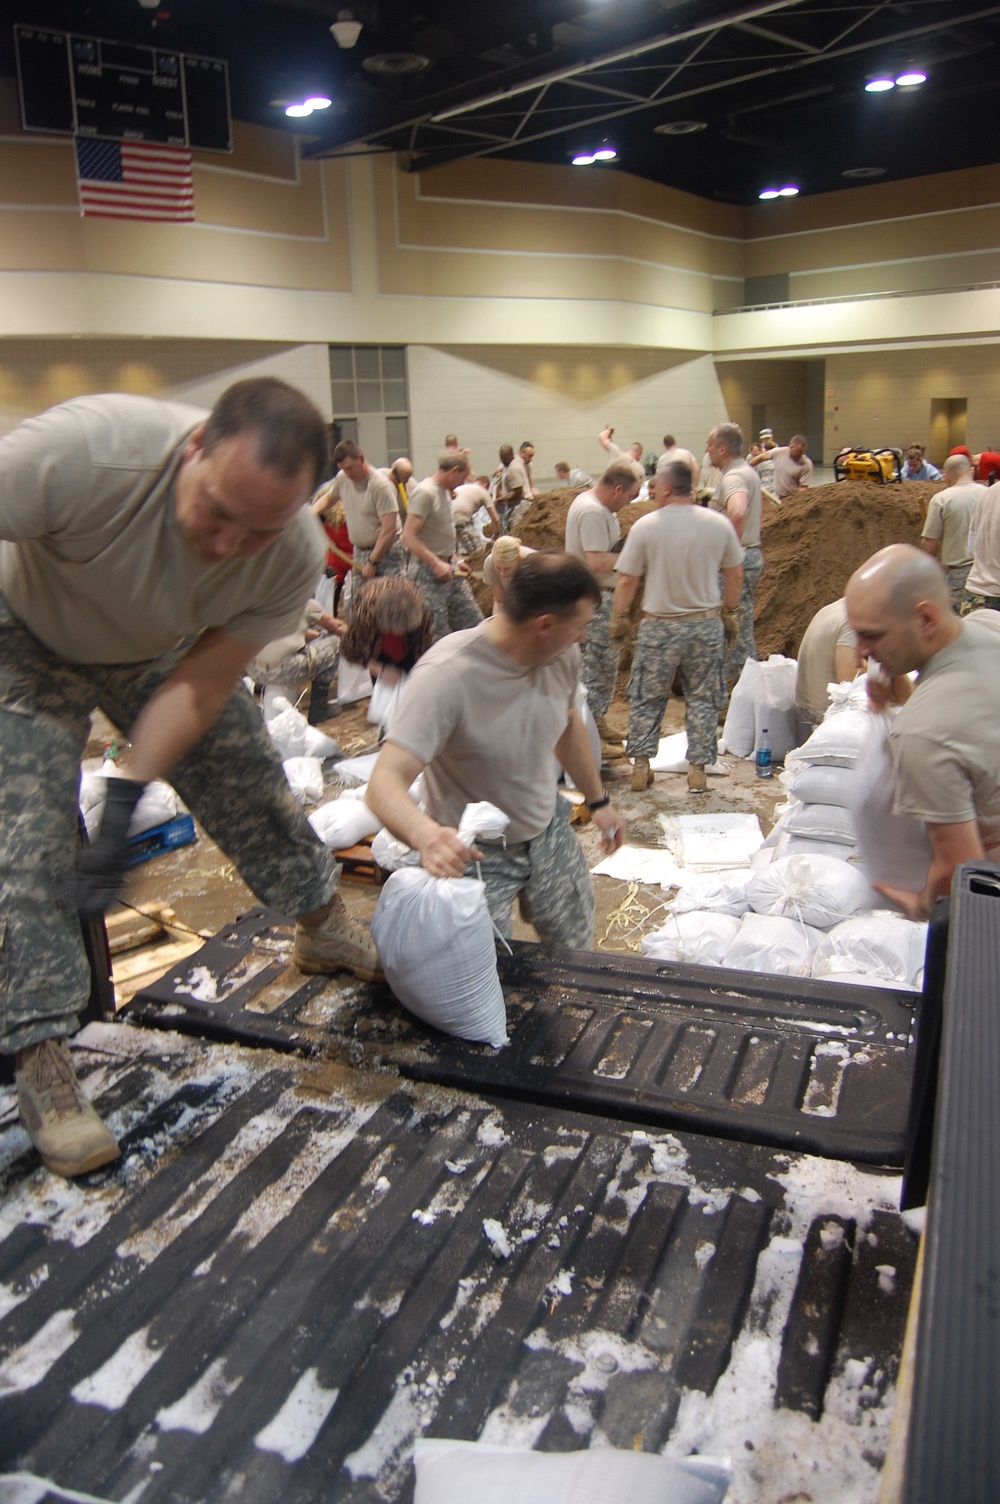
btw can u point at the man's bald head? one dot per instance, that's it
(899, 607)
(957, 468)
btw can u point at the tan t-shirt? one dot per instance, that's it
(827, 632)
(949, 517)
(789, 474)
(984, 576)
(591, 528)
(468, 499)
(739, 476)
(515, 477)
(679, 550)
(486, 728)
(365, 506)
(433, 503)
(93, 561)
(945, 741)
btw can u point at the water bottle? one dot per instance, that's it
(763, 758)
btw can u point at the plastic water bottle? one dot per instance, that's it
(763, 758)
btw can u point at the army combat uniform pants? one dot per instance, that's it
(661, 648)
(451, 603)
(745, 645)
(232, 782)
(549, 876)
(599, 668)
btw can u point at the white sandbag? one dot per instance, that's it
(739, 734)
(816, 784)
(820, 822)
(344, 822)
(391, 853)
(385, 700)
(323, 592)
(849, 694)
(773, 944)
(721, 892)
(882, 946)
(805, 846)
(457, 1472)
(894, 849)
(862, 979)
(354, 682)
(292, 734)
(434, 938)
(774, 705)
(305, 778)
(694, 937)
(158, 804)
(816, 890)
(356, 769)
(837, 741)
(672, 756)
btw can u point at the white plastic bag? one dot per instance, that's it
(434, 938)
(816, 890)
(344, 822)
(721, 892)
(456, 1472)
(739, 734)
(882, 946)
(305, 778)
(292, 734)
(354, 682)
(894, 849)
(774, 944)
(774, 705)
(385, 700)
(695, 937)
(323, 592)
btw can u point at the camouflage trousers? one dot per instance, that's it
(973, 602)
(956, 575)
(599, 669)
(745, 645)
(393, 561)
(549, 877)
(451, 603)
(467, 539)
(661, 648)
(316, 660)
(232, 781)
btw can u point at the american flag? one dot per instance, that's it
(134, 180)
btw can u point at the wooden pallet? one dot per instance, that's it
(359, 866)
(145, 944)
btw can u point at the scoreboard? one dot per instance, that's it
(82, 86)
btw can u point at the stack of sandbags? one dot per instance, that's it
(763, 698)
(819, 776)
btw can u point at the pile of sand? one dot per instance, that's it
(812, 544)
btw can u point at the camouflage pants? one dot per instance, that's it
(973, 602)
(745, 645)
(956, 575)
(317, 660)
(661, 647)
(467, 540)
(549, 877)
(393, 561)
(232, 781)
(599, 669)
(451, 603)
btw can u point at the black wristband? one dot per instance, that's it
(602, 803)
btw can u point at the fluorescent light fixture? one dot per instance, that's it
(789, 191)
(769, 193)
(911, 78)
(879, 85)
(318, 102)
(605, 154)
(583, 159)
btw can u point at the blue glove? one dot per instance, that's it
(101, 867)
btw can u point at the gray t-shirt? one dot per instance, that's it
(945, 741)
(515, 477)
(93, 561)
(679, 550)
(739, 476)
(486, 727)
(949, 517)
(789, 474)
(365, 506)
(433, 503)
(591, 528)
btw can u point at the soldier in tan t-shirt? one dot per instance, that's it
(429, 538)
(149, 552)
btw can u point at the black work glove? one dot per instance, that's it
(101, 867)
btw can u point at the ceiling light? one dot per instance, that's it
(911, 78)
(318, 102)
(583, 159)
(680, 127)
(395, 64)
(346, 29)
(605, 154)
(860, 173)
(298, 111)
(789, 191)
(768, 193)
(879, 85)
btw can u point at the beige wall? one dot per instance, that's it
(887, 397)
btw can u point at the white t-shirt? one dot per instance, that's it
(984, 576)
(486, 728)
(679, 550)
(93, 562)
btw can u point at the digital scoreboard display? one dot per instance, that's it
(83, 86)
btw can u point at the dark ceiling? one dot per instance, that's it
(771, 92)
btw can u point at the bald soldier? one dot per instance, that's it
(945, 742)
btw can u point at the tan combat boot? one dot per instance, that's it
(333, 941)
(697, 782)
(61, 1123)
(642, 775)
(612, 746)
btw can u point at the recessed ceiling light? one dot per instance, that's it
(879, 85)
(861, 173)
(680, 127)
(911, 78)
(395, 64)
(298, 111)
(583, 159)
(318, 102)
